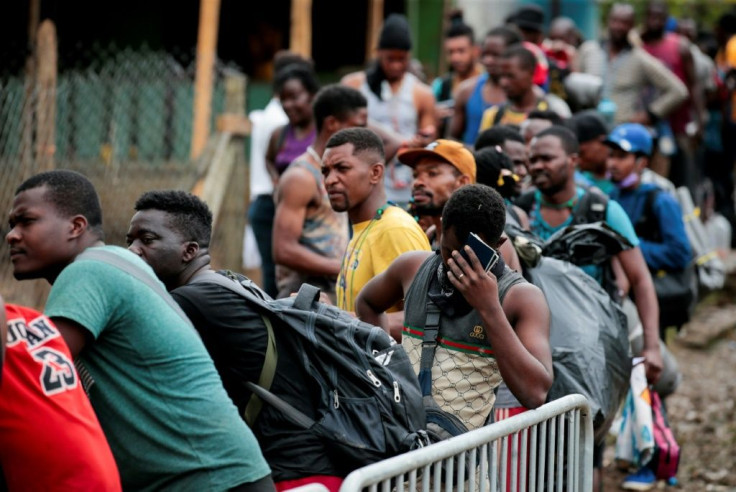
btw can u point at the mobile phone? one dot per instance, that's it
(487, 256)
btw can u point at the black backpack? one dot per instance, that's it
(591, 209)
(370, 406)
(677, 291)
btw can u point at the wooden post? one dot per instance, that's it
(46, 68)
(29, 99)
(223, 184)
(209, 17)
(375, 21)
(301, 27)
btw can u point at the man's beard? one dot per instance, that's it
(429, 209)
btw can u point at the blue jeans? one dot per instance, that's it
(260, 217)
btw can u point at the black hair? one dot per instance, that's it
(489, 162)
(497, 135)
(727, 22)
(526, 58)
(336, 100)
(510, 34)
(587, 125)
(299, 71)
(71, 193)
(190, 216)
(285, 58)
(547, 115)
(564, 135)
(363, 140)
(475, 208)
(458, 27)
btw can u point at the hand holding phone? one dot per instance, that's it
(487, 256)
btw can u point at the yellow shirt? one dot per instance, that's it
(508, 116)
(374, 245)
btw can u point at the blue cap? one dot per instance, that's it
(631, 137)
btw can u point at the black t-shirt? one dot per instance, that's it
(236, 337)
(234, 334)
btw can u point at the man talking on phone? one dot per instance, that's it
(491, 325)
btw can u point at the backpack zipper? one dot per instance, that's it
(376, 382)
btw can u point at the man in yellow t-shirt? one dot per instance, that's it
(353, 166)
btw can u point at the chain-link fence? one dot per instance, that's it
(122, 117)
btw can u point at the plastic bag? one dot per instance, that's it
(588, 337)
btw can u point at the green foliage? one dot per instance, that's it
(705, 12)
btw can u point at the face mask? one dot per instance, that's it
(628, 181)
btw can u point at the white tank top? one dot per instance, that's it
(396, 111)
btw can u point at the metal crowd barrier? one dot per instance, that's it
(549, 449)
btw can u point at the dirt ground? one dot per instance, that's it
(702, 412)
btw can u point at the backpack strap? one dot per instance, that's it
(647, 226)
(499, 114)
(250, 293)
(429, 345)
(432, 329)
(293, 414)
(488, 118)
(445, 87)
(525, 201)
(592, 208)
(105, 256)
(306, 297)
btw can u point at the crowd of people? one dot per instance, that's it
(134, 376)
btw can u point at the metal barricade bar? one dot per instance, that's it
(556, 435)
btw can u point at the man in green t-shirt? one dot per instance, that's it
(155, 390)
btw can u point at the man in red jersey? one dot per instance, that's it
(50, 438)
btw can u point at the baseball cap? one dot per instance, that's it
(631, 137)
(449, 151)
(588, 126)
(530, 17)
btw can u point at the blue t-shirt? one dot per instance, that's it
(673, 252)
(616, 218)
(474, 109)
(604, 184)
(156, 392)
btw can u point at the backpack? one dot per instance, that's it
(666, 457)
(369, 406)
(677, 291)
(711, 271)
(591, 209)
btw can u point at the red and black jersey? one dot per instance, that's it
(50, 438)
